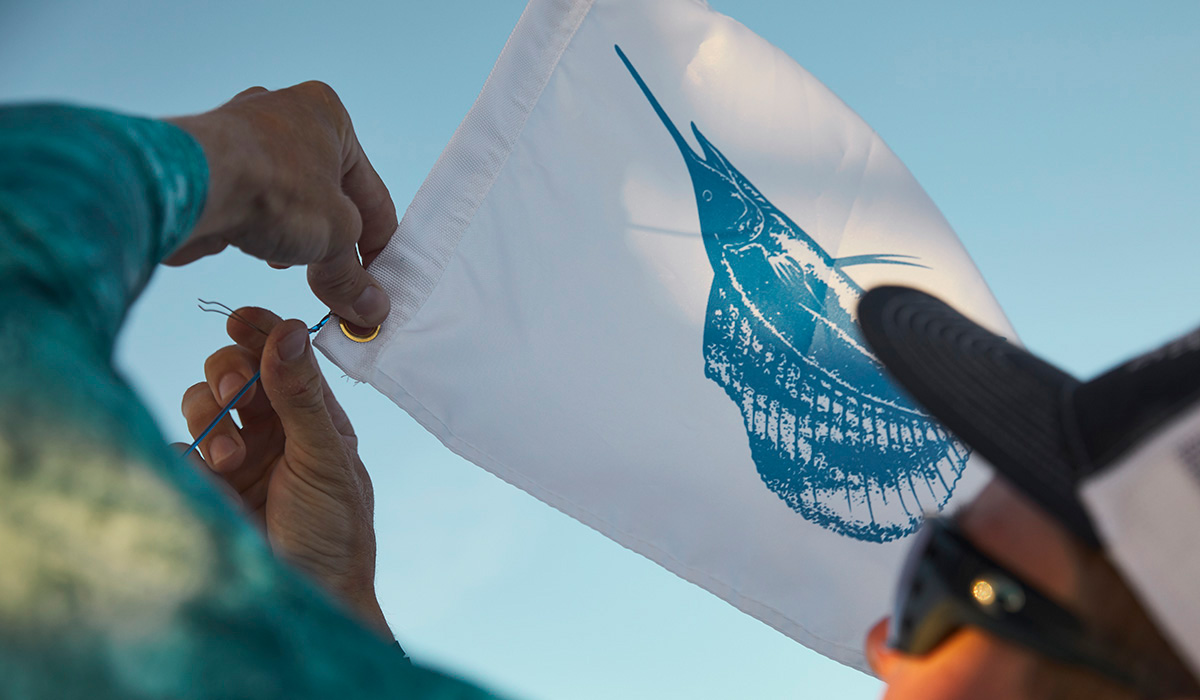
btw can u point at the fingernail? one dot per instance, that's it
(291, 346)
(371, 304)
(221, 449)
(229, 386)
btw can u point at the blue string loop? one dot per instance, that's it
(246, 387)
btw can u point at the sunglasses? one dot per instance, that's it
(947, 584)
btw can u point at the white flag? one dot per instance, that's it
(629, 286)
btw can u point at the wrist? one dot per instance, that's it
(368, 611)
(232, 187)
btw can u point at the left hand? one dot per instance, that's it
(294, 462)
(290, 184)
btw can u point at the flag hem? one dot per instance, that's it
(411, 265)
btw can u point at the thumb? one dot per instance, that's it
(293, 385)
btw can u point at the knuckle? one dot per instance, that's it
(336, 280)
(304, 395)
(322, 91)
(193, 399)
(345, 228)
(267, 204)
(322, 459)
(220, 362)
(250, 318)
(210, 364)
(308, 402)
(245, 94)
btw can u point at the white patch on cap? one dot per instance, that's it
(1146, 508)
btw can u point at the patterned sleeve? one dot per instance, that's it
(90, 202)
(123, 572)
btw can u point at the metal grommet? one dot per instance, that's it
(356, 337)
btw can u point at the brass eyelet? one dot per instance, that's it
(356, 337)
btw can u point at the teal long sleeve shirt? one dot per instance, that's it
(123, 572)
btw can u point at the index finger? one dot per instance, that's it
(365, 188)
(349, 290)
(249, 327)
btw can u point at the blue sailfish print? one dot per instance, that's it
(828, 432)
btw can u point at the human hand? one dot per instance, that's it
(290, 184)
(294, 462)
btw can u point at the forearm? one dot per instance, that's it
(127, 574)
(90, 202)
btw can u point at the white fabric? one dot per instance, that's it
(1146, 508)
(551, 285)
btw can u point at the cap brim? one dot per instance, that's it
(1009, 406)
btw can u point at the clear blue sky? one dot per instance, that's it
(1061, 140)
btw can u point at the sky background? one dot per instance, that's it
(1061, 140)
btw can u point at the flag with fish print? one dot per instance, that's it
(629, 287)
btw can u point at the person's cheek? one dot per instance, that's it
(902, 673)
(879, 657)
(969, 665)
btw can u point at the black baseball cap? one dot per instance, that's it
(1042, 429)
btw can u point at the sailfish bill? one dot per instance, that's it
(828, 432)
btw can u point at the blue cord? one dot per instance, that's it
(224, 412)
(246, 387)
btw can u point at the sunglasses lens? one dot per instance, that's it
(925, 618)
(948, 584)
(925, 613)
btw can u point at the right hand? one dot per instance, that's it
(290, 184)
(294, 462)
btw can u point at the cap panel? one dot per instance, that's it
(1146, 507)
(1121, 407)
